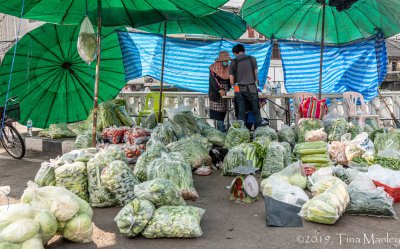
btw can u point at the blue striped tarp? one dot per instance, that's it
(186, 62)
(358, 67)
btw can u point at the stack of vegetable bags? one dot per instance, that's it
(173, 168)
(23, 226)
(194, 151)
(237, 134)
(154, 150)
(183, 122)
(236, 157)
(287, 134)
(74, 215)
(74, 178)
(265, 131)
(164, 133)
(213, 135)
(60, 131)
(315, 153)
(307, 124)
(327, 206)
(278, 156)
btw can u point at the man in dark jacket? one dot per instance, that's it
(243, 72)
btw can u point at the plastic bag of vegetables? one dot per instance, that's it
(236, 157)
(153, 152)
(74, 215)
(287, 134)
(325, 183)
(292, 174)
(150, 122)
(283, 191)
(310, 148)
(84, 140)
(265, 131)
(76, 128)
(86, 154)
(100, 196)
(251, 154)
(367, 199)
(163, 133)
(68, 158)
(120, 180)
(45, 175)
(175, 222)
(288, 153)
(316, 135)
(159, 191)
(307, 124)
(345, 174)
(177, 171)
(389, 151)
(23, 226)
(60, 130)
(183, 121)
(123, 115)
(87, 44)
(134, 216)
(338, 128)
(274, 160)
(327, 207)
(237, 134)
(43, 133)
(193, 150)
(213, 135)
(114, 152)
(74, 178)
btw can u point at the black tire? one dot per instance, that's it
(12, 141)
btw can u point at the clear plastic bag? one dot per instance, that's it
(237, 134)
(193, 151)
(175, 222)
(283, 191)
(287, 134)
(338, 128)
(213, 135)
(183, 122)
(367, 199)
(86, 154)
(45, 175)
(159, 191)
(124, 116)
(163, 133)
(307, 124)
(60, 130)
(337, 152)
(120, 180)
(152, 152)
(83, 140)
(388, 177)
(87, 44)
(274, 160)
(345, 174)
(390, 151)
(316, 135)
(236, 157)
(74, 178)
(361, 145)
(133, 217)
(173, 168)
(150, 122)
(326, 183)
(265, 131)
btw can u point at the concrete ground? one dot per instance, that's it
(225, 224)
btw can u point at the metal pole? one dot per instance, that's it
(96, 88)
(160, 103)
(322, 50)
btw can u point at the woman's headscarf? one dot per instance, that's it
(218, 68)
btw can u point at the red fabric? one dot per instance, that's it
(313, 108)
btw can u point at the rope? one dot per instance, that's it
(12, 67)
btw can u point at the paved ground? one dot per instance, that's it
(225, 224)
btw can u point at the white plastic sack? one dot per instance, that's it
(87, 44)
(388, 177)
(390, 151)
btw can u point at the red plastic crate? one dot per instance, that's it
(393, 192)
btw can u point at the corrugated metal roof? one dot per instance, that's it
(393, 48)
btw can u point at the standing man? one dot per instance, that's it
(243, 72)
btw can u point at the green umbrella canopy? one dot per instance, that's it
(302, 19)
(52, 82)
(221, 24)
(132, 13)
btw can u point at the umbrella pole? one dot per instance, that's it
(96, 87)
(160, 102)
(322, 50)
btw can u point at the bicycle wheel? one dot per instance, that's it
(12, 141)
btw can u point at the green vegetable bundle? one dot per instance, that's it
(263, 141)
(307, 124)
(76, 128)
(60, 131)
(44, 133)
(344, 174)
(327, 207)
(74, 178)
(163, 133)
(84, 140)
(287, 134)
(193, 150)
(150, 121)
(172, 168)
(338, 128)
(113, 152)
(123, 116)
(311, 148)
(251, 154)
(316, 158)
(274, 160)
(152, 152)
(183, 122)
(265, 131)
(382, 138)
(236, 136)
(100, 196)
(107, 115)
(175, 222)
(45, 176)
(213, 135)
(86, 154)
(236, 157)
(120, 180)
(288, 153)
(74, 215)
(159, 191)
(134, 216)
(326, 183)
(23, 226)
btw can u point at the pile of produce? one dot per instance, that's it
(253, 155)
(45, 175)
(76, 128)
(237, 134)
(236, 157)
(315, 153)
(316, 135)
(274, 160)
(74, 178)
(159, 191)
(176, 170)
(74, 215)
(193, 150)
(23, 226)
(115, 135)
(60, 130)
(175, 222)
(120, 180)
(307, 124)
(164, 133)
(213, 135)
(150, 122)
(287, 134)
(84, 140)
(134, 216)
(183, 122)
(152, 152)
(265, 131)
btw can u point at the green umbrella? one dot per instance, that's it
(325, 21)
(52, 82)
(222, 24)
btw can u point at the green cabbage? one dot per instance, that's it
(298, 180)
(20, 230)
(79, 229)
(33, 243)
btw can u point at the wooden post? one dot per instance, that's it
(96, 87)
(160, 105)
(322, 50)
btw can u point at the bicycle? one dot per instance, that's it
(10, 138)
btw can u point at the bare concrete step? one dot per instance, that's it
(44, 144)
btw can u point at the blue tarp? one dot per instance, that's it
(186, 62)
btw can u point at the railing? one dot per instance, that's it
(199, 104)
